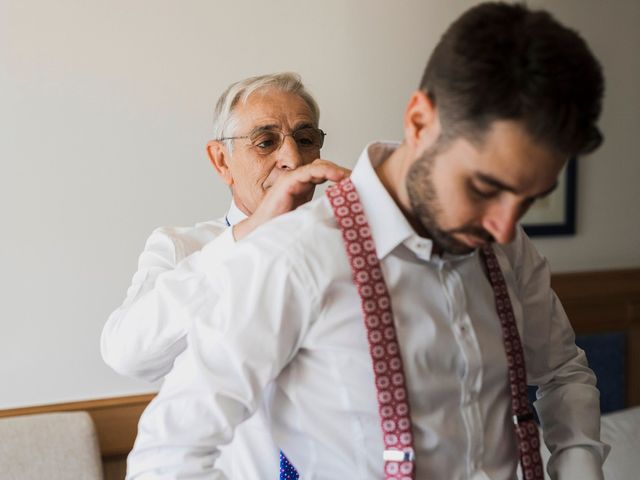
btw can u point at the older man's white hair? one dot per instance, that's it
(224, 121)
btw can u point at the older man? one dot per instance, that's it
(422, 244)
(267, 140)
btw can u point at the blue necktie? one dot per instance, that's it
(287, 471)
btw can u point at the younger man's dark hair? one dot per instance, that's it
(505, 62)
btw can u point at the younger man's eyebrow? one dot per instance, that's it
(495, 183)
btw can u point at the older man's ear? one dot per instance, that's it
(218, 156)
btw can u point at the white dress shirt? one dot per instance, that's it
(145, 346)
(143, 343)
(282, 310)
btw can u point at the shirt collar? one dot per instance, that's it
(234, 215)
(389, 227)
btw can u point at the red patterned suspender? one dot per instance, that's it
(393, 401)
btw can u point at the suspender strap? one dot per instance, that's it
(393, 401)
(525, 425)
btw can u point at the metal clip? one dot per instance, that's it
(525, 417)
(398, 455)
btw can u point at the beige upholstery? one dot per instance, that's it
(52, 446)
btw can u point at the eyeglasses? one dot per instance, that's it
(265, 140)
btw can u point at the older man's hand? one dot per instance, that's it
(290, 191)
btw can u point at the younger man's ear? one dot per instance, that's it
(219, 156)
(421, 122)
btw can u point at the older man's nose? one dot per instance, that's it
(289, 157)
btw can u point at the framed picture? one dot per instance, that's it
(555, 214)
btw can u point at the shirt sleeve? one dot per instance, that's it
(139, 340)
(248, 321)
(568, 402)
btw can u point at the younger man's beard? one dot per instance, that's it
(427, 210)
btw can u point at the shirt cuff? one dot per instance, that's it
(576, 462)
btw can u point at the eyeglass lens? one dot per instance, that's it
(267, 141)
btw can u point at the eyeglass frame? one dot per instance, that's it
(282, 136)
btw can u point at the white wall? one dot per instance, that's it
(105, 108)
(608, 218)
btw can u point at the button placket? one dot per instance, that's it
(470, 382)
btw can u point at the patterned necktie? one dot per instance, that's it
(287, 471)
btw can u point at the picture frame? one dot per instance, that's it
(555, 215)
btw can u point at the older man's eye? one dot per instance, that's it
(309, 138)
(265, 141)
(305, 139)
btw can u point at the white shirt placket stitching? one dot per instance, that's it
(470, 373)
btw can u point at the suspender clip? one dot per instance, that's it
(525, 417)
(398, 455)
